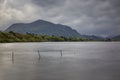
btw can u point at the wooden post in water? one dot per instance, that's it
(12, 57)
(39, 55)
(61, 53)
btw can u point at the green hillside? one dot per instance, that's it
(17, 37)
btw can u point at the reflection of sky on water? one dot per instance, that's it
(82, 60)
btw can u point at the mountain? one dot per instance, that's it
(93, 37)
(117, 38)
(42, 27)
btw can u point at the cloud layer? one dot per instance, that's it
(99, 17)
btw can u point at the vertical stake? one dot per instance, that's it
(12, 57)
(39, 54)
(61, 53)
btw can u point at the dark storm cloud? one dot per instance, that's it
(49, 3)
(97, 16)
(100, 17)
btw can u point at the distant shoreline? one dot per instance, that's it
(12, 37)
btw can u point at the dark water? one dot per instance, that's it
(79, 61)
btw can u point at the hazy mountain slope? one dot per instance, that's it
(43, 28)
(116, 37)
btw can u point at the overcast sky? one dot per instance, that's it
(99, 17)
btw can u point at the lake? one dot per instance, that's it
(60, 61)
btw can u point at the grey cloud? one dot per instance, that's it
(49, 3)
(12, 11)
(100, 17)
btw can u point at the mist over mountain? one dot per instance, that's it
(117, 38)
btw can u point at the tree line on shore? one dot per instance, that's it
(7, 37)
(29, 37)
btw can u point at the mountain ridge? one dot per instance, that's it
(42, 27)
(117, 38)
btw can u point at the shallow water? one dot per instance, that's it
(79, 61)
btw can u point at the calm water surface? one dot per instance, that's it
(79, 61)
